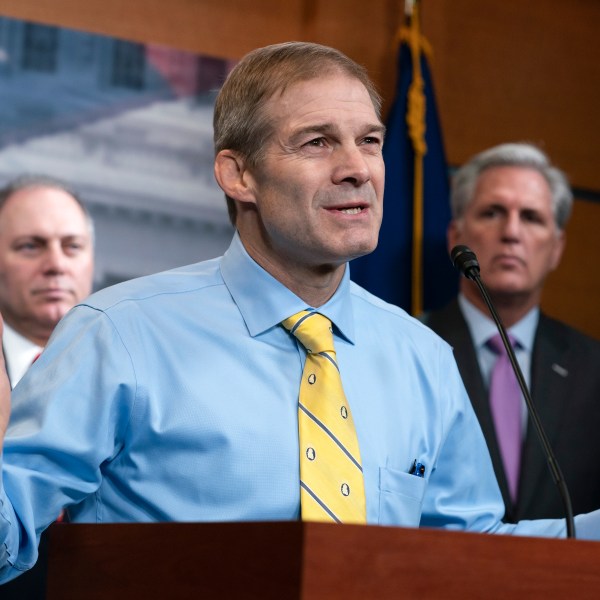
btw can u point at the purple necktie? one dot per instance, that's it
(505, 403)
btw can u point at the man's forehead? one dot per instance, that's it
(515, 181)
(329, 86)
(35, 198)
(324, 106)
(31, 212)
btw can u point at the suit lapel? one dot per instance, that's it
(550, 381)
(450, 324)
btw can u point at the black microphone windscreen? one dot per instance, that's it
(464, 259)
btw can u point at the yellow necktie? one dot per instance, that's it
(331, 479)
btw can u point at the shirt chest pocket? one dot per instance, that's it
(400, 498)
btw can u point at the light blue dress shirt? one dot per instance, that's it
(482, 328)
(174, 398)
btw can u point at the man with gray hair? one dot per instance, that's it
(46, 264)
(510, 205)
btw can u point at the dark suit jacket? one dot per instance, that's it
(565, 387)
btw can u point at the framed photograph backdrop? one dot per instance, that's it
(129, 126)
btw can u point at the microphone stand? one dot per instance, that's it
(464, 259)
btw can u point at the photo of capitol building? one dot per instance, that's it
(129, 126)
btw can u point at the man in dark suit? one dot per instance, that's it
(510, 206)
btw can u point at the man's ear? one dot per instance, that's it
(559, 248)
(233, 176)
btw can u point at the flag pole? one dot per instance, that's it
(415, 118)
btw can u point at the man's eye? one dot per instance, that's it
(532, 217)
(316, 142)
(26, 246)
(490, 213)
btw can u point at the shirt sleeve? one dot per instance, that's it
(463, 493)
(69, 414)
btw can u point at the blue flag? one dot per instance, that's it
(387, 272)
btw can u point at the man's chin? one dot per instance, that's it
(362, 249)
(506, 282)
(509, 295)
(50, 318)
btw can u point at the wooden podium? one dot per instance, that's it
(311, 561)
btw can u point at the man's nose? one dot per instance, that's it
(511, 226)
(55, 259)
(351, 166)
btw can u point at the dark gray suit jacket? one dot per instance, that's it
(565, 387)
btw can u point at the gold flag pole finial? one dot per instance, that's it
(409, 6)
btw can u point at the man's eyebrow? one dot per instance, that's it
(310, 129)
(377, 128)
(492, 204)
(33, 237)
(30, 237)
(325, 128)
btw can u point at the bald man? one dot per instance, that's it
(46, 264)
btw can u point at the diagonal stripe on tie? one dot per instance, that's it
(332, 486)
(316, 499)
(331, 435)
(330, 359)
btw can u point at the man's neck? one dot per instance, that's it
(316, 289)
(511, 308)
(314, 284)
(39, 338)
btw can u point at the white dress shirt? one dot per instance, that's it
(19, 354)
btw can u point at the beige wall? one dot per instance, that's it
(504, 70)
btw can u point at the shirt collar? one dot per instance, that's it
(21, 353)
(264, 302)
(483, 327)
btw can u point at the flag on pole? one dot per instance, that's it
(410, 267)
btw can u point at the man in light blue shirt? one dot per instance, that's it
(175, 396)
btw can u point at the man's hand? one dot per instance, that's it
(4, 390)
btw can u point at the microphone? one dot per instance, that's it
(464, 259)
